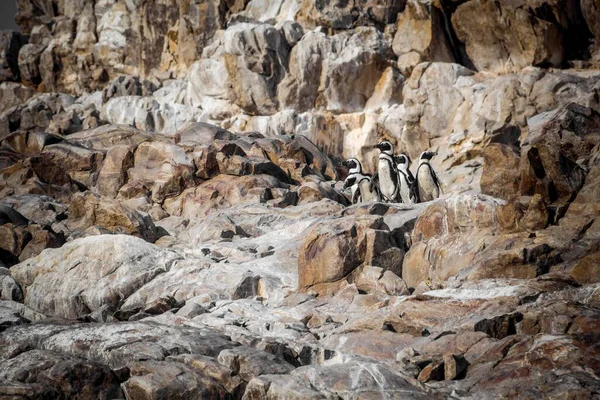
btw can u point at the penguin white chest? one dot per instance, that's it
(386, 180)
(428, 189)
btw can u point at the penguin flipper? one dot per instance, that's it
(374, 181)
(437, 181)
(356, 197)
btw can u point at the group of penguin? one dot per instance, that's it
(393, 182)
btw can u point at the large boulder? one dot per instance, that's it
(254, 60)
(332, 249)
(448, 236)
(221, 192)
(509, 36)
(349, 65)
(63, 376)
(557, 142)
(89, 210)
(162, 168)
(422, 35)
(89, 273)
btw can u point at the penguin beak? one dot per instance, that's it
(345, 164)
(377, 146)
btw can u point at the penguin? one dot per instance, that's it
(354, 171)
(352, 182)
(387, 172)
(406, 180)
(429, 186)
(365, 191)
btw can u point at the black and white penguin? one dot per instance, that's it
(429, 186)
(387, 173)
(406, 180)
(364, 192)
(355, 175)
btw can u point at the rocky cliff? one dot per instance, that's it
(172, 223)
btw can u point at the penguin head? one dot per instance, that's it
(402, 160)
(385, 147)
(428, 155)
(353, 165)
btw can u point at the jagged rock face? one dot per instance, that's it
(173, 222)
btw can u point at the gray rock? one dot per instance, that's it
(10, 44)
(100, 270)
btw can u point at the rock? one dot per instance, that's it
(150, 379)
(149, 113)
(64, 163)
(40, 239)
(38, 209)
(127, 86)
(375, 279)
(421, 35)
(490, 45)
(334, 248)
(113, 175)
(163, 168)
(89, 267)
(498, 178)
(349, 77)
(9, 289)
(106, 136)
(454, 366)
(549, 163)
(13, 94)
(61, 375)
(339, 17)
(314, 191)
(249, 363)
(464, 220)
(10, 44)
(345, 379)
(432, 372)
(221, 192)
(280, 386)
(253, 71)
(29, 63)
(88, 209)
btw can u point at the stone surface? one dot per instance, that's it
(185, 159)
(105, 270)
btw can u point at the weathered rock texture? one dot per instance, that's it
(173, 224)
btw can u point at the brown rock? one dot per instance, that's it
(432, 372)
(510, 37)
(556, 141)
(63, 163)
(150, 379)
(536, 217)
(586, 270)
(421, 35)
(334, 248)
(249, 363)
(499, 177)
(164, 168)
(221, 192)
(88, 209)
(455, 366)
(113, 174)
(40, 239)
